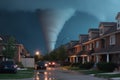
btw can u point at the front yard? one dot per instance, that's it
(21, 74)
(93, 72)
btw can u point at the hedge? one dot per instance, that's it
(105, 66)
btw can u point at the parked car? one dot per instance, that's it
(8, 66)
(41, 65)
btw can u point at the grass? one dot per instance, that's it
(96, 72)
(91, 71)
(107, 75)
(21, 74)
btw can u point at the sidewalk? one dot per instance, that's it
(91, 76)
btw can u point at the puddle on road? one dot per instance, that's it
(44, 75)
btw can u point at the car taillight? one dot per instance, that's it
(53, 63)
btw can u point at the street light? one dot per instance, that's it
(37, 53)
(37, 56)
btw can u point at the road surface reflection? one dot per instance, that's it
(48, 74)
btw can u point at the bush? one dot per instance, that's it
(65, 64)
(20, 64)
(104, 66)
(87, 65)
(75, 64)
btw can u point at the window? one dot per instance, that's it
(112, 40)
(103, 43)
(97, 44)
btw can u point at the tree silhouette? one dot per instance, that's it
(9, 48)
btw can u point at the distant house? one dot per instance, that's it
(21, 51)
(101, 44)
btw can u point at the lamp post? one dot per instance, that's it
(37, 56)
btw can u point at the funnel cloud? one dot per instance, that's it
(52, 22)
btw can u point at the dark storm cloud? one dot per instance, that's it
(102, 9)
(98, 10)
(24, 26)
(78, 24)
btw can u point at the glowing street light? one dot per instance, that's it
(37, 53)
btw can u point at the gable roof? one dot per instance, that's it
(107, 24)
(112, 29)
(85, 38)
(118, 14)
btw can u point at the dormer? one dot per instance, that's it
(105, 26)
(93, 33)
(118, 21)
(83, 38)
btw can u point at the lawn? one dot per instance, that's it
(91, 71)
(108, 75)
(19, 75)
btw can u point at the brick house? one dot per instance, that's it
(72, 49)
(21, 51)
(102, 44)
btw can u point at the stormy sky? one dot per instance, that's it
(22, 19)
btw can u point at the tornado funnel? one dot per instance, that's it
(52, 22)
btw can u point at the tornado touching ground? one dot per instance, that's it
(52, 22)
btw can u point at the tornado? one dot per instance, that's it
(52, 22)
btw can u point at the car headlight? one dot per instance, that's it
(46, 65)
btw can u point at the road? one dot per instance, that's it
(58, 74)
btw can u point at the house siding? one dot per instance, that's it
(118, 39)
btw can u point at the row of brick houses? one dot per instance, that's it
(100, 44)
(21, 50)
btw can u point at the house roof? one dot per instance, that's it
(118, 14)
(112, 29)
(84, 38)
(110, 49)
(71, 44)
(84, 52)
(93, 29)
(107, 24)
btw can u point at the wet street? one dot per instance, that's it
(58, 74)
(49, 74)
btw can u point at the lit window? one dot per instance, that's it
(112, 39)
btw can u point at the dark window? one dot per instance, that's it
(102, 43)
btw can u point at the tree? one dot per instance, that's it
(61, 53)
(58, 54)
(9, 48)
